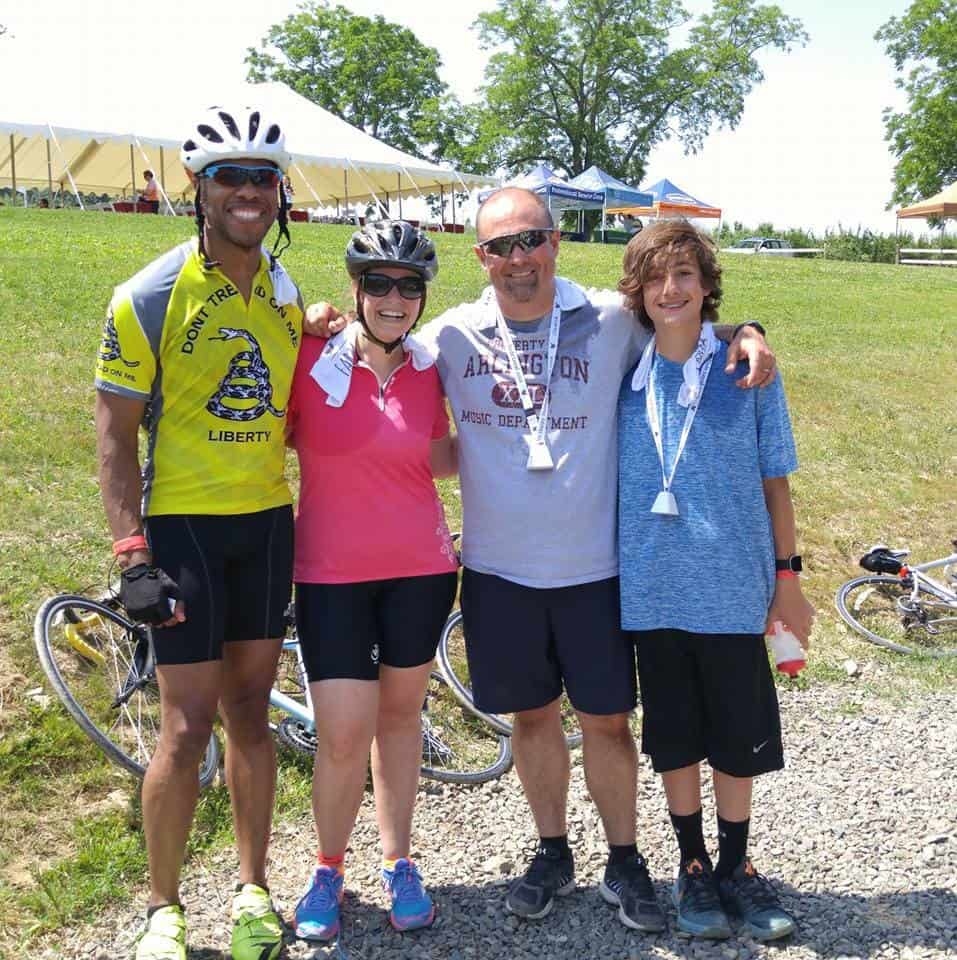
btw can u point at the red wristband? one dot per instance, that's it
(129, 544)
(785, 575)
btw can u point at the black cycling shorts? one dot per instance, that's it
(235, 573)
(346, 630)
(708, 697)
(524, 643)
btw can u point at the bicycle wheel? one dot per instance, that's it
(456, 746)
(101, 667)
(883, 610)
(455, 670)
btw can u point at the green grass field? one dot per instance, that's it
(868, 354)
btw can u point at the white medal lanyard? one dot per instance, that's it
(539, 456)
(665, 502)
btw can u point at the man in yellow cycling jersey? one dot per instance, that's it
(199, 349)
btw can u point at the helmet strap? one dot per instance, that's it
(201, 226)
(283, 220)
(387, 346)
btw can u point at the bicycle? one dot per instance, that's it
(102, 668)
(900, 607)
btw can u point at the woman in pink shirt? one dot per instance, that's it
(375, 567)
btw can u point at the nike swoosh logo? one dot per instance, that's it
(758, 748)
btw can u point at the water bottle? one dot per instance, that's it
(788, 653)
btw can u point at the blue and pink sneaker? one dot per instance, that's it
(317, 913)
(412, 907)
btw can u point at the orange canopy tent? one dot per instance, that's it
(671, 201)
(943, 204)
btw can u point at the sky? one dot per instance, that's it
(809, 151)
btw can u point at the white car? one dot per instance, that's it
(780, 248)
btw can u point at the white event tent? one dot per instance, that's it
(104, 146)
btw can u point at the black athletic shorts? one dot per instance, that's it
(347, 629)
(708, 697)
(524, 643)
(236, 576)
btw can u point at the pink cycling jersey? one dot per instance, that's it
(368, 508)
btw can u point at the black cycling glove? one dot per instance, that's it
(145, 591)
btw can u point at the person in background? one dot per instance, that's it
(150, 194)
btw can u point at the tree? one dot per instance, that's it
(577, 82)
(924, 138)
(373, 74)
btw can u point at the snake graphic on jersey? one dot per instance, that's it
(247, 365)
(110, 347)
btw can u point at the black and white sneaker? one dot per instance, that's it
(628, 886)
(550, 874)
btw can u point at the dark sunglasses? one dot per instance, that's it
(379, 285)
(527, 240)
(235, 175)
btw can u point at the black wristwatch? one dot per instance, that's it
(792, 563)
(749, 323)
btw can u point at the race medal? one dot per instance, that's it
(665, 504)
(539, 456)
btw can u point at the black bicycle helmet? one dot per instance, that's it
(391, 243)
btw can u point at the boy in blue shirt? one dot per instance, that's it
(707, 550)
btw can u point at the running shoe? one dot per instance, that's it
(257, 930)
(628, 886)
(750, 896)
(550, 874)
(164, 935)
(317, 913)
(412, 907)
(696, 898)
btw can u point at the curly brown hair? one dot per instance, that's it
(649, 251)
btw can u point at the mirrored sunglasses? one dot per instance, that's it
(527, 240)
(235, 175)
(379, 285)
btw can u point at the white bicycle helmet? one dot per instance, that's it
(224, 133)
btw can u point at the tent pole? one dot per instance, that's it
(442, 204)
(66, 168)
(132, 175)
(371, 189)
(345, 184)
(49, 172)
(315, 196)
(398, 189)
(897, 240)
(13, 172)
(163, 174)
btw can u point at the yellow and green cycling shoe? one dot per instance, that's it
(257, 930)
(164, 935)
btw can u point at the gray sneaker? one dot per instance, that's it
(696, 899)
(628, 886)
(750, 896)
(550, 874)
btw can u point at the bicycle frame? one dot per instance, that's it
(938, 589)
(303, 713)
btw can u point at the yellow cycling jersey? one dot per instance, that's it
(215, 373)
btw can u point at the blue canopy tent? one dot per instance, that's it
(619, 197)
(559, 194)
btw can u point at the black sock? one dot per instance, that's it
(690, 837)
(558, 845)
(618, 855)
(732, 844)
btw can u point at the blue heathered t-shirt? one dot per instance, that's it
(711, 569)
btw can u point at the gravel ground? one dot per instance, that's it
(859, 832)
